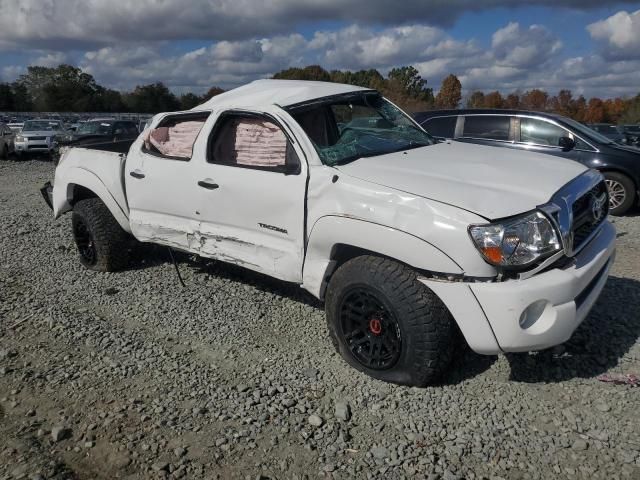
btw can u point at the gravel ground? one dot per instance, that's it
(129, 375)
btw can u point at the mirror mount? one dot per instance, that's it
(566, 143)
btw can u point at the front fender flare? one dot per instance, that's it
(77, 176)
(331, 230)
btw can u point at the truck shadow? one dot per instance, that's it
(608, 333)
(149, 255)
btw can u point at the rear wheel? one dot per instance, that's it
(102, 244)
(622, 193)
(387, 324)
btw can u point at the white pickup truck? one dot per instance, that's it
(408, 241)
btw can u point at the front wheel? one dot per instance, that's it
(102, 244)
(621, 192)
(387, 324)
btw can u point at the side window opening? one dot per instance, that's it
(252, 142)
(175, 136)
(539, 132)
(487, 127)
(444, 127)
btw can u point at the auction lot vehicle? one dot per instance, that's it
(408, 241)
(96, 132)
(7, 139)
(545, 133)
(38, 136)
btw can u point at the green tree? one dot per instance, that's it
(408, 81)
(450, 93)
(189, 100)
(63, 88)
(311, 72)
(21, 99)
(152, 98)
(212, 92)
(7, 102)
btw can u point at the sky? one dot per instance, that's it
(591, 47)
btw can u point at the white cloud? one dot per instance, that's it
(519, 57)
(619, 34)
(514, 46)
(89, 24)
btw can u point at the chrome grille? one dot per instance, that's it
(589, 211)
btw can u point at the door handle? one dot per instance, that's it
(209, 185)
(136, 174)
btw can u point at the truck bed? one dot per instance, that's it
(99, 169)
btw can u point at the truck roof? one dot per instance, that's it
(263, 93)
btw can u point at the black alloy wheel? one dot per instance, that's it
(85, 242)
(370, 330)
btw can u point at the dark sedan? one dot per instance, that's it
(545, 133)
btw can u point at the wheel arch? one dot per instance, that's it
(359, 237)
(82, 184)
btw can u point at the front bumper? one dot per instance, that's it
(532, 314)
(47, 194)
(37, 147)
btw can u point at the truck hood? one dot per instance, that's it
(492, 182)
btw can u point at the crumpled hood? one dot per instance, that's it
(492, 182)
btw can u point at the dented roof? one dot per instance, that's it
(263, 93)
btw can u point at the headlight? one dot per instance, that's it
(19, 138)
(516, 242)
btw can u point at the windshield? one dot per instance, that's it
(94, 128)
(40, 125)
(353, 126)
(607, 129)
(587, 132)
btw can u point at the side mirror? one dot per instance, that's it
(567, 143)
(118, 131)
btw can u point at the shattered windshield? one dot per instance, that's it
(353, 126)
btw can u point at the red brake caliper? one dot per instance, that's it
(375, 326)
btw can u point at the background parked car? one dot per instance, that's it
(16, 127)
(544, 133)
(612, 132)
(632, 133)
(7, 138)
(97, 131)
(38, 136)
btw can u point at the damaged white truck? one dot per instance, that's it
(408, 241)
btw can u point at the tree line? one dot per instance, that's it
(68, 88)
(405, 87)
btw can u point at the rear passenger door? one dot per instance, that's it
(252, 189)
(161, 185)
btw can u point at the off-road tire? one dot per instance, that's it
(629, 189)
(110, 242)
(4, 153)
(427, 329)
